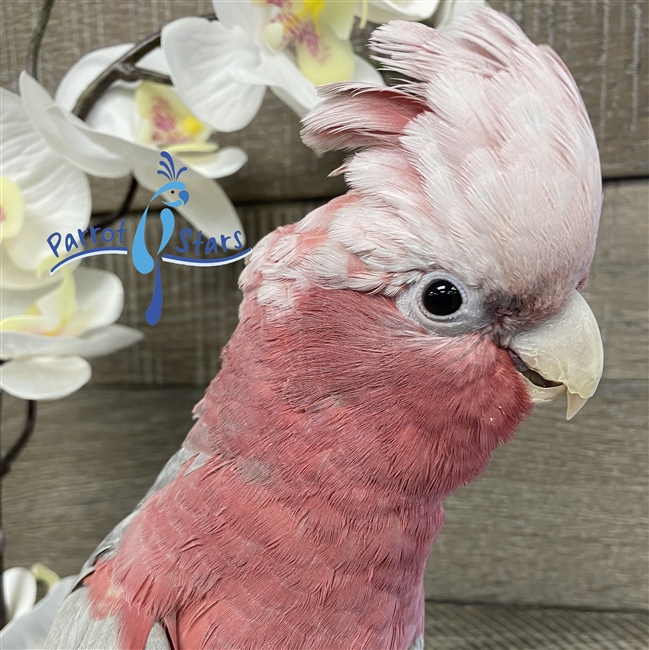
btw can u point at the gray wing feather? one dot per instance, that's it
(108, 546)
(76, 629)
(74, 625)
(418, 644)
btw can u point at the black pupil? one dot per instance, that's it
(172, 191)
(442, 298)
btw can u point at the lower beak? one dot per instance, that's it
(566, 351)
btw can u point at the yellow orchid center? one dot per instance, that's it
(319, 32)
(12, 208)
(50, 313)
(168, 123)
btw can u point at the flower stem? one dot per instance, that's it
(124, 69)
(5, 466)
(34, 47)
(123, 209)
(23, 439)
(31, 64)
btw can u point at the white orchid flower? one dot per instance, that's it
(127, 129)
(39, 192)
(28, 624)
(381, 11)
(222, 68)
(449, 11)
(440, 12)
(44, 335)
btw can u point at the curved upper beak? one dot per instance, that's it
(567, 351)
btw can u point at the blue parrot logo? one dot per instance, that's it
(143, 261)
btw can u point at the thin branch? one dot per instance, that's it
(123, 209)
(5, 466)
(124, 69)
(23, 439)
(3, 612)
(31, 65)
(34, 47)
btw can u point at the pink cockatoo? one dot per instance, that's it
(387, 344)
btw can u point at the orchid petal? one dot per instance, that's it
(58, 306)
(340, 17)
(36, 312)
(450, 10)
(138, 156)
(246, 15)
(223, 162)
(12, 208)
(100, 299)
(61, 131)
(12, 277)
(165, 119)
(19, 586)
(55, 195)
(155, 60)
(15, 303)
(209, 209)
(287, 82)
(85, 71)
(365, 72)
(44, 378)
(91, 65)
(30, 630)
(95, 343)
(115, 113)
(382, 11)
(205, 60)
(333, 61)
(106, 340)
(59, 201)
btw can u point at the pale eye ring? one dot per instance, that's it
(442, 304)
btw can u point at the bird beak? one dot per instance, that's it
(567, 352)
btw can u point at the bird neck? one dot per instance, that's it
(343, 427)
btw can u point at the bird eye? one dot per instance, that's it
(173, 191)
(443, 304)
(441, 298)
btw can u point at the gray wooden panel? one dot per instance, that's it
(559, 518)
(200, 305)
(604, 44)
(488, 627)
(560, 515)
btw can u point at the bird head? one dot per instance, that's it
(177, 192)
(449, 275)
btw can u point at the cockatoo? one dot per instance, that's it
(387, 344)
